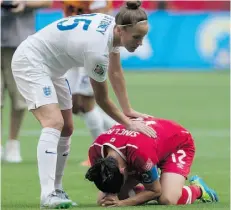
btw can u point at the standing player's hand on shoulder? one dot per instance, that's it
(134, 114)
(19, 6)
(141, 127)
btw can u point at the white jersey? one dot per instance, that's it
(77, 41)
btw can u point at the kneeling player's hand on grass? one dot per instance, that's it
(141, 127)
(111, 201)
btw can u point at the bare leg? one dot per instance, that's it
(18, 106)
(92, 118)
(171, 184)
(15, 123)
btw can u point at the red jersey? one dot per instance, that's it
(141, 152)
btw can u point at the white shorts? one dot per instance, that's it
(79, 82)
(37, 86)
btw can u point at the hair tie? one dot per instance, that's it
(130, 24)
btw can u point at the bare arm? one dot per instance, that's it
(96, 67)
(102, 99)
(117, 80)
(152, 191)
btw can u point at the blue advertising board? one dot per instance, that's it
(176, 41)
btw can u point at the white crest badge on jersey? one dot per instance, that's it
(47, 91)
(100, 70)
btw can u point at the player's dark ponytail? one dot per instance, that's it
(106, 175)
(130, 14)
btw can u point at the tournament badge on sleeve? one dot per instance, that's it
(100, 70)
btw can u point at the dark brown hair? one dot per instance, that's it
(130, 14)
(106, 175)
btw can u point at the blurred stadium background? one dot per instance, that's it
(181, 72)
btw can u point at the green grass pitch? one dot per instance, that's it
(199, 101)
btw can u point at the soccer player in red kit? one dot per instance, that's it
(121, 159)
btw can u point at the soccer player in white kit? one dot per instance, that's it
(39, 64)
(95, 119)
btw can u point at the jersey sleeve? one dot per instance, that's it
(147, 169)
(144, 160)
(96, 65)
(149, 176)
(94, 154)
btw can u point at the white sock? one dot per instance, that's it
(13, 144)
(12, 151)
(94, 122)
(47, 158)
(63, 152)
(108, 122)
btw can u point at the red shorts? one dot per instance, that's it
(180, 160)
